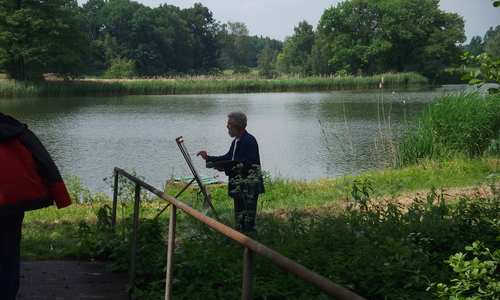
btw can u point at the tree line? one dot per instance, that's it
(124, 38)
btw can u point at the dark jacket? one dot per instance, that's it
(247, 150)
(29, 179)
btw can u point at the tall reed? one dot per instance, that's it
(202, 84)
(461, 124)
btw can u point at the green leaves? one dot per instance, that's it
(390, 34)
(40, 37)
(477, 278)
(488, 72)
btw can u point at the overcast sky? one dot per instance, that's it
(277, 18)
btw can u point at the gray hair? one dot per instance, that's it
(239, 119)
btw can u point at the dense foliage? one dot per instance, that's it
(38, 37)
(391, 35)
(464, 125)
(380, 248)
(358, 37)
(488, 72)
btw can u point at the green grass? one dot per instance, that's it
(203, 84)
(49, 233)
(465, 125)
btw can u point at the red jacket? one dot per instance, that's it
(29, 179)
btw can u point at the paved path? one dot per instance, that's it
(70, 280)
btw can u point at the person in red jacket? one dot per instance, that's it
(29, 180)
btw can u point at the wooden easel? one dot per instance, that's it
(206, 193)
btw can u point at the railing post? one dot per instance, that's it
(170, 252)
(115, 203)
(246, 289)
(133, 252)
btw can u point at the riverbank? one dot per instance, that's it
(204, 85)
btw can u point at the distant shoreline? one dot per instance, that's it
(203, 85)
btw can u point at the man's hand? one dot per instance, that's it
(203, 154)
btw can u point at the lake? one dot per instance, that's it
(301, 136)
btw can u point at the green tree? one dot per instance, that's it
(267, 62)
(238, 45)
(206, 35)
(475, 46)
(175, 39)
(394, 35)
(158, 40)
(353, 35)
(491, 33)
(259, 43)
(92, 24)
(493, 46)
(297, 49)
(488, 72)
(110, 48)
(319, 59)
(38, 37)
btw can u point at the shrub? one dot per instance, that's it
(478, 278)
(120, 68)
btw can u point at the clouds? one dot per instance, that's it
(277, 18)
(479, 15)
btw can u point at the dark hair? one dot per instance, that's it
(239, 119)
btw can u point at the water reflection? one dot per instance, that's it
(301, 135)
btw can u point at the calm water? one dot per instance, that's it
(303, 136)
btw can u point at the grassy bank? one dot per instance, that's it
(201, 85)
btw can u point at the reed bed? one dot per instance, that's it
(203, 85)
(458, 125)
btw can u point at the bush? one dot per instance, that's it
(120, 68)
(478, 278)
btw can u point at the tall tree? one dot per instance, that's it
(319, 59)
(393, 34)
(297, 49)
(476, 46)
(92, 24)
(158, 40)
(267, 62)
(239, 45)
(206, 35)
(259, 43)
(491, 33)
(38, 37)
(493, 46)
(352, 33)
(176, 41)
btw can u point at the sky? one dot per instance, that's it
(277, 18)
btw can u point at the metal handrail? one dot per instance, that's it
(251, 246)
